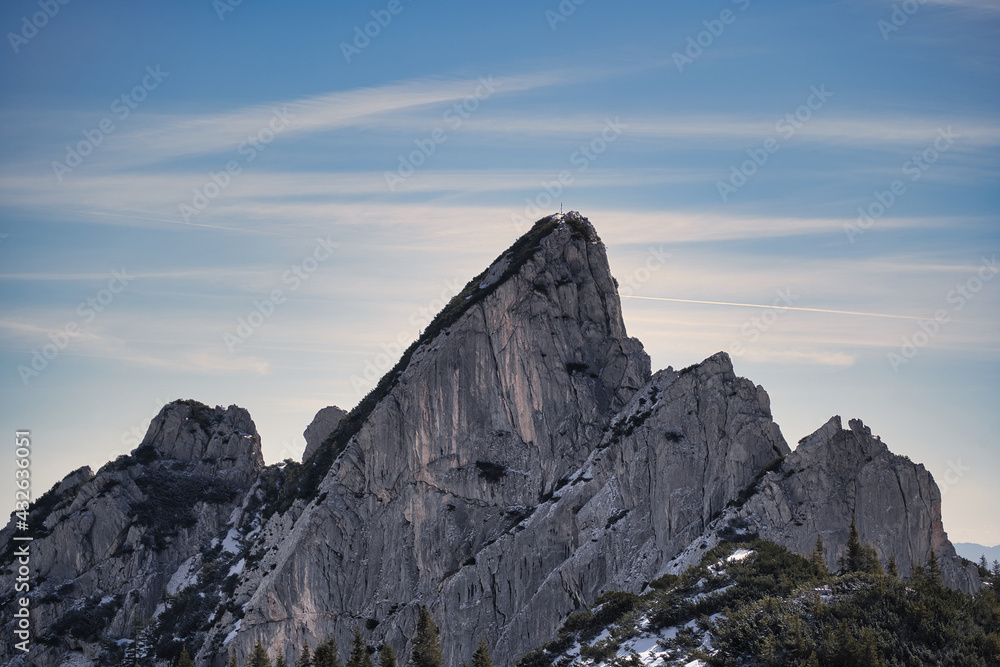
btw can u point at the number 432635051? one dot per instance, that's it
(22, 474)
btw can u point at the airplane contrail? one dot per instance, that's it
(758, 305)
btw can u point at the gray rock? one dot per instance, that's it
(486, 418)
(836, 475)
(93, 543)
(322, 425)
(679, 451)
(519, 462)
(220, 441)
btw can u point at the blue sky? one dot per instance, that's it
(285, 204)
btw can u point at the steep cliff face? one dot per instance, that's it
(486, 418)
(108, 544)
(838, 474)
(519, 461)
(667, 465)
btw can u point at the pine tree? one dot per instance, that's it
(893, 568)
(872, 563)
(854, 561)
(280, 660)
(386, 656)
(306, 659)
(818, 557)
(846, 649)
(185, 659)
(232, 659)
(918, 575)
(934, 569)
(868, 650)
(481, 658)
(359, 651)
(996, 568)
(259, 657)
(327, 654)
(426, 648)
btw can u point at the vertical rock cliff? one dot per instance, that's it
(509, 396)
(519, 461)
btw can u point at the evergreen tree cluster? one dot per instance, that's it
(426, 652)
(776, 608)
(862, 557)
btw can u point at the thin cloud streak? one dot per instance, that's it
(173, 137)
(774, 307)
(862, 131)
(176, 275)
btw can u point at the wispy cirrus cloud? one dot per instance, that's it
(846, 130)
(163, 137)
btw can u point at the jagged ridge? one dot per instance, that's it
(597, 476)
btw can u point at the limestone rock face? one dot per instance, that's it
(485, 419)
(220, 442)
(106, 545)
(838, 474)
(519, 461)
(668, 464)
(322, 425)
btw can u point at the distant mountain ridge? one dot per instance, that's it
(972, 551)
(518, 462)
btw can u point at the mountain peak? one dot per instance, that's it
(218, 440)
(554, 278)
(518, 462)
(837, 475)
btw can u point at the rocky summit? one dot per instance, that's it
(518, 462)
